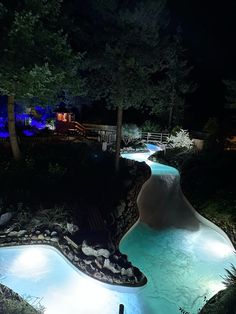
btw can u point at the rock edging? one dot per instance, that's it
(95, 261)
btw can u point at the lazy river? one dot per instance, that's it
(183, 256)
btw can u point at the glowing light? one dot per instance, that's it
(31, 263)
(218, 248)
(91, 297)
(215, 286)
(28, 132)
(4, 134)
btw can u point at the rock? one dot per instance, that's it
(37, 232)
(108, 265)
(40, 237)
(98, 275)
(53, 233)
(90, 251)
(47, 232)
(21, 233)
(55, 239)
(76, 259)
(70, 256)
(71, 228)
(87, 250)
(98, 264)
(4, 218)
(127, 272)
(120, 209)
(103, 252)
(13, 234)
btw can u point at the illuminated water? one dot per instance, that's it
(181, 266)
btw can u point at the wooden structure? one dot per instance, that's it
(66, 124)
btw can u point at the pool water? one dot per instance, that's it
(182, 267)
(41, 274)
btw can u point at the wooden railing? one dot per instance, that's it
(158, 137)
(105, 133)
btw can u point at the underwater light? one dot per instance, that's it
(218, 248)
(31, 263)
(215, 286)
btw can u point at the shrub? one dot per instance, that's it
(150, 126)
(180, 140)
(130, 133)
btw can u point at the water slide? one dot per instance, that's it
(162, 204)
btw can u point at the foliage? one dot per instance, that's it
(223, 302)
(149, 126)
(120, 70)
(50, 217)
(174, 83)
(130, 133)
(36, 59)
(230, 94)
(77, 171)
(230, 279)
(14, 306)
(180, 140)
(175, 129)
(12, 303)
(212, 126)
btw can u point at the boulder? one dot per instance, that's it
(108, 265)
(5, 218)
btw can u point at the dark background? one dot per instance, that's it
(208, 30)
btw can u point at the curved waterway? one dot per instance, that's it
(183, 256)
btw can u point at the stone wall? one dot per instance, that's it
(104, 263)
(126, 213)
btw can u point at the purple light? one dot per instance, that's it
(38, 124)
(28, 132)
(4, 134)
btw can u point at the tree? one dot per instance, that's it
(230, 94)
(36, 59)
(126, 53)
(174, 83)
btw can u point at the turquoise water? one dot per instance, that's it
(182, 268)
(43, 273)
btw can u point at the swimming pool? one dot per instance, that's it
(182, 266)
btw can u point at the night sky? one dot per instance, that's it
(208, 29)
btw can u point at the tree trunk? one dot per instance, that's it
(170, 117)
(12, 128)
(118, 136)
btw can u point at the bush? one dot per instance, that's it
(180, 139)
(150, 126)
(130, 133)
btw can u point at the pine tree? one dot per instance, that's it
(36, 59)
(126, 52)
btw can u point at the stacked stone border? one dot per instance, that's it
(107, 266)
